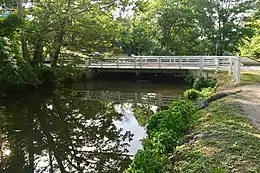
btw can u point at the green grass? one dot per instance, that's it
(250, 77)
(223, 140)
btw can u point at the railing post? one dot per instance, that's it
(101, 63)
(87, 63)
(117, 62)
(180, 62)
(237, 74)
(201, 63)
(141, 63)
(135, 61)
(230, 65)
(217, 64)
(160, 65)
(159, 99)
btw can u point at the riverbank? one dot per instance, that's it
(222, 140)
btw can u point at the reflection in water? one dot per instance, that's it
(61, 132)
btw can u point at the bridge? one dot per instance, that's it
(231, 64)
(156, 99)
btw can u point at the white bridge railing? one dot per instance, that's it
(217, 63)
(157, 99)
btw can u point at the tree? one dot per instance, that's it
(192, 27)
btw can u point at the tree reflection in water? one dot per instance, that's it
(59, 132)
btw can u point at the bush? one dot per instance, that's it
(201, 83)
(164, 141)
(252, 47)
(15, 73)
(206, 92)
(146, 161)
(166, 130)
(45, 74)
(172, 123)
(66, 74)
(191, 94)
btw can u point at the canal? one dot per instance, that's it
(88, 127)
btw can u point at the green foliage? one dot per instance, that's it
(191, 94)
(176, 118)
(14, 72)
(201, 83)
(252, 47)
(189, 27)
(206, 92)
(68, 74)
(166, 130)
(146, 161)
(45, 75)
(9, 25)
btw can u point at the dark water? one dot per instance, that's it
(94, 127)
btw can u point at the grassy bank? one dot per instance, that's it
(250, 77)
(222, 140)
(218, 139)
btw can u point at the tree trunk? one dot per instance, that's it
(23, 40)
(38, 51)
(60, 40)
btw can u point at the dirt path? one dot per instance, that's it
(250, 102)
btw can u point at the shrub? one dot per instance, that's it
(166, 130)
(146, 161)
(206, 92)
(164, 141)
(66, 73)
(15, 73)
(45, 74)
(201, 83)
(191, 94)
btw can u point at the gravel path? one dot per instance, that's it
(250, 102)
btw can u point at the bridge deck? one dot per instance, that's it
(223, 63)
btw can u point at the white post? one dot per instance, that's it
(230, 65)
(159, 99)
(159, 62)
(101, 64)
(180, 62)
(201, 63)
(141, 63)
(238, 66)
(117, 62)
(87, 63)
(135, 61)
(217, 64)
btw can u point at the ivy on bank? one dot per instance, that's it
(166, 130)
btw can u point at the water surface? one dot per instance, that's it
(73, 130)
